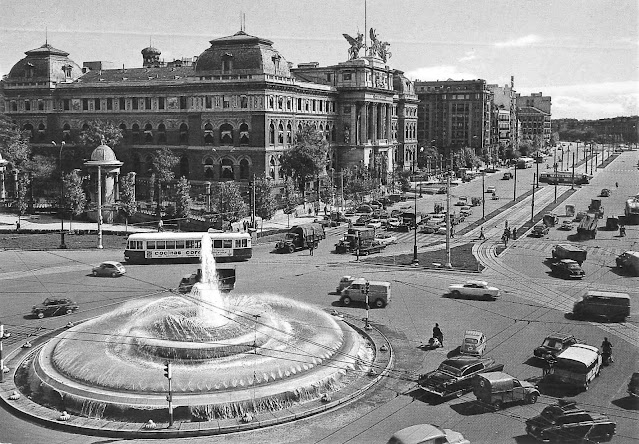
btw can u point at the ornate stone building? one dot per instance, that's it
(229, 115)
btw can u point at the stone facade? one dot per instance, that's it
(228, 116)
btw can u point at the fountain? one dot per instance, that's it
(230, 355)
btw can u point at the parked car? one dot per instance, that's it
(540, 230)
(454, 376)
(554, 344)
(427, 434)
(474, 343)
(386, 238)
(372, 248)
(475, 289)
(54, 307)
(605, 193)
(567, 268)
(392, 222)
(374, 223)
(109, 268)
(430, 228)
(564, 421)
(566, 225)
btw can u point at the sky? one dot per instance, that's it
(584, 54)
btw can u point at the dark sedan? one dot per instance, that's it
(554, 344)
(53, 307)
(565, 422)
(454, 376)
(567, 268)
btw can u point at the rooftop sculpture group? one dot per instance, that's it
(377, 47)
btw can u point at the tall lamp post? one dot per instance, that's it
(415, 260)
(62, 244)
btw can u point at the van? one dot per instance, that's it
(379, 292)
(577, 366)
(498, 388)
(608, 305)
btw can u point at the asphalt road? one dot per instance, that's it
(533, 305)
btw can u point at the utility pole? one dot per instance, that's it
(555, 182)
(483, 194)
(367, 286)
(514, 184)
(415, 261)
(253, 202)
(448, 225)
(532, 212)
(572, 182)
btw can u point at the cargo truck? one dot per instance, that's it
(587, 228)
(355, 237)
(300, 237)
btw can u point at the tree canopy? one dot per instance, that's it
(98, 130)
(265, 206)
(307, 158)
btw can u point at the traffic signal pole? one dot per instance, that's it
(168, 375)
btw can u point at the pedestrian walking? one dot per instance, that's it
(504, 240)
(311, 248)
(160, 226)
(514, 233)
(325, 210)
(17, 225)
(481, 233)
(548, 368)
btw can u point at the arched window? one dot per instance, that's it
(42, 132)
(135, 133)
(137, 164)
(148, 133)
(209, 169)
(289, 133)
(208, 134)
(299, 128)
(244, 169)
(66, 133)
(333, 134)
(271, 134)
(271, 172)
(184, 167)
(272, 161)
(85, 127)
(184, 134)
(227, 170)
(123, 131)
(280, 134)
(244, 134)
(161, 133)
(226, 134)
(28, 128)
(321, 131)
(280, 170)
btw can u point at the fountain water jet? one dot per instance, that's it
(211, 304)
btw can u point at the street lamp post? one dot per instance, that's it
(62, 244)
(415, 261)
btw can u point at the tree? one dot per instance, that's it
(230, 205)
(183, 198)
(468, 158)
(162, 165)
(403, 176)
(526, 147)
(327, 189)
(358, 183)
(98, 131)
(74, 198)
(128, 205)
(307, 158)
(265, 206)
(290, 198)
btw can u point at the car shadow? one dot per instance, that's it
(454, 352)
(534, 361)
(556, 389)
(418, 394)
(627, 403)
(472, 408)
(525, 439)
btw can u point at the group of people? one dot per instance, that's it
(437, 340)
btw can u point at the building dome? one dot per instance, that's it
(241, 54)
(103, 153)
(151, 51)
(47, 64)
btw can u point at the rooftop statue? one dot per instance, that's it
(356, 45)
(378, 48)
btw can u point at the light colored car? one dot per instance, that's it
(427, 434)
(109, 268)
(476, 289)
(386, 239)
(491, 189)
(374, 223)
(466, 210)
(474, 343)
(392, 222)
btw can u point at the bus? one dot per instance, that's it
(144, 248)
(525, 162)
(564, 177)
